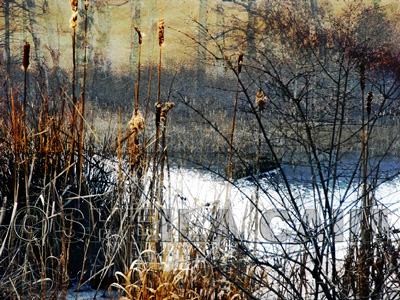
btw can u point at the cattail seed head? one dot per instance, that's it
(261, 100)
(368, 105)
(139, 34)
(362, 74)
(136, 124)
(74, 5)
(160, 32)
(165, 109)
(240, 62)
(158, 107)
(87, 3)
(25, 59)
(74, 16)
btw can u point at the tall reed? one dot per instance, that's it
(137, 122)
(158, 109)
(261, 102)
(232, 129)
(73, 25)
(81, 132)
(25, 64)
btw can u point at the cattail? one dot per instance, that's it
(140, 34)
(158, 108)
(74, 16)
(74, 5)
(136, 124)
(362, 74)
(25, 60)
(87, 2)
(261, 100)
(160, 32)
(165, 110)
(368, 105)
(240, 63)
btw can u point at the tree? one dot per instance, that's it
(7, 35)
(202, 38)
(316, 113)
(135, 17)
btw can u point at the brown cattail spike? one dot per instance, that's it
(87, 2)
(136, 124)
(139, 34)
(240, 62)
(74, 16)
(25, 60)
(161, 32)
(368, 105)
(165, 109)
(261, 100)
(158, 107)
(362, 74)
(74, 5)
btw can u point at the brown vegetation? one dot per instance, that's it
(87, 207)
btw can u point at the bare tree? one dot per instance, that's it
(326, 180)
(135, 17)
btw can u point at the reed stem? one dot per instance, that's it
(82, 104)
(232, 130)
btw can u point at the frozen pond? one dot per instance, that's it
(192, 189)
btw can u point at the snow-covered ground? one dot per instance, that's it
(195, 190)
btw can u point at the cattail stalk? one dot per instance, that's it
(160, 43)
(135, 126)
(232, 127)
(261, 101)
(73, 24)
(138, 68)
(365, 250)
(158, 108)
(134, 131)
(82, 104)
(146, 114)
(227, 205)
(25, 64)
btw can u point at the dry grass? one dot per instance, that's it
(90, 206)
(194, 278)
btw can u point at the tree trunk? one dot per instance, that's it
(202, 38)
(51, 31)
(7, 36)
(102, 72)
(135, 20)
(34, 30)
(221, 38)
(250, 31)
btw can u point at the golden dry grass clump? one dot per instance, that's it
(193, 279)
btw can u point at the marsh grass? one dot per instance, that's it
(191, 277)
